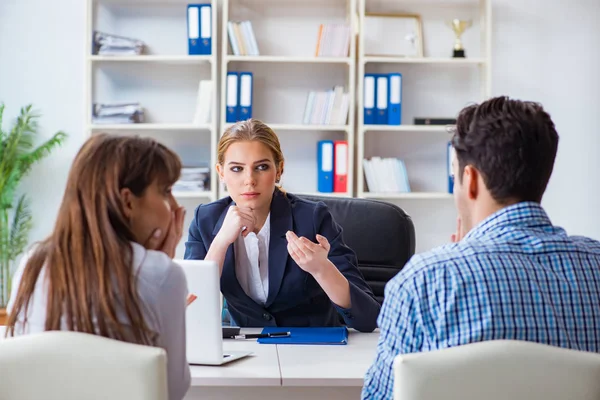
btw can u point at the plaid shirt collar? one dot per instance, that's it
(525, 214)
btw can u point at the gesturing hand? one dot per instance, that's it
(311, 257)
(169, 243)
(236, 220)
(459, 234)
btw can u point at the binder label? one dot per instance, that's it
(193, 22)
(246, 91)
(369, 92)
(232, 81)
(382, 95)
(327, 157)
(395, 89)
(341, 159)
(205, 25)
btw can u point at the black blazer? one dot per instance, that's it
(295, 298)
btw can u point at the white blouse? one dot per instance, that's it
(252, 262)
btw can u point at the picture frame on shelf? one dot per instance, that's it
(407, 27)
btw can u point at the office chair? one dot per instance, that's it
(381, 234)
(498, 370)
(74, 366)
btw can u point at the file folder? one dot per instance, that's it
(382, 100)
(325, 166)
(324, 335)
(340, 182)
(199, 24)
(450, 175)
(232, 113)
(245, 100)
(369, 99)
(395, 99)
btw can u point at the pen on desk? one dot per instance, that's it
(262, 335)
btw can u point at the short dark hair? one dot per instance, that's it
(511, 143)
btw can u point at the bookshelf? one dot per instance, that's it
(164, 78)
(433, 86)
(426, 158)
(287, 68)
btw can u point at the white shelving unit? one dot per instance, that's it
(286, 32)
(424, 79)
(165, 79)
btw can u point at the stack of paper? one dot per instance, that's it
(386, 175)
(242, 39)
(203, 102)
(333, 40)
(193, 179)
(106, 44)
(326, 108)
(117, 113)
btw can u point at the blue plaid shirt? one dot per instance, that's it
(514, 276)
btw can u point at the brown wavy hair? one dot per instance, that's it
(252, 130)
(88, 256)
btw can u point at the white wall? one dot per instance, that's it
(543, 50)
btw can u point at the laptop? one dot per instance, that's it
(204, 337)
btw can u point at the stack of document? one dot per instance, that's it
(193, 179)
(242, 39)
(326, 108)
(117, 113)
(203, 102)
(106, 44)
(333, 40)
(386, 175)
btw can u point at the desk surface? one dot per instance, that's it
(259, 369)
(328, 365)
(290, 365)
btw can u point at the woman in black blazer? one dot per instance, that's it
(272, 272)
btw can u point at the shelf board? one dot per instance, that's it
(424, 60)
(302, 127)
(148, 127)
(183, 59)
(193, 194)
(290, 59)
(406, 128)
(408, 196)
(344, 194)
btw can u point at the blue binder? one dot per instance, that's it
(382, 100)
(199, 24)
(450, 175)
(245, 100)
(232, 98)
(394, 99)
(327, 335)
(325, 166)
(370, 95)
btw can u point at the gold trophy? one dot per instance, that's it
(459, 26)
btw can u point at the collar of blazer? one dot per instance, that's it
(281, 222)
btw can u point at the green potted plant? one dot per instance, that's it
(18, 154)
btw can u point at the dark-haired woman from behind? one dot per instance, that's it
(107, 267)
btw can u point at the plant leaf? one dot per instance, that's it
(20, 227)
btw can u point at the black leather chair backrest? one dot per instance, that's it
(381, 234)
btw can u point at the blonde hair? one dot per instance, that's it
(248, 131)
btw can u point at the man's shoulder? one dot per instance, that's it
(451, 258)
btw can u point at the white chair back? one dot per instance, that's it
(76, 366)
(498, 370)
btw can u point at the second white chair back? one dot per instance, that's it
(498, 370)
